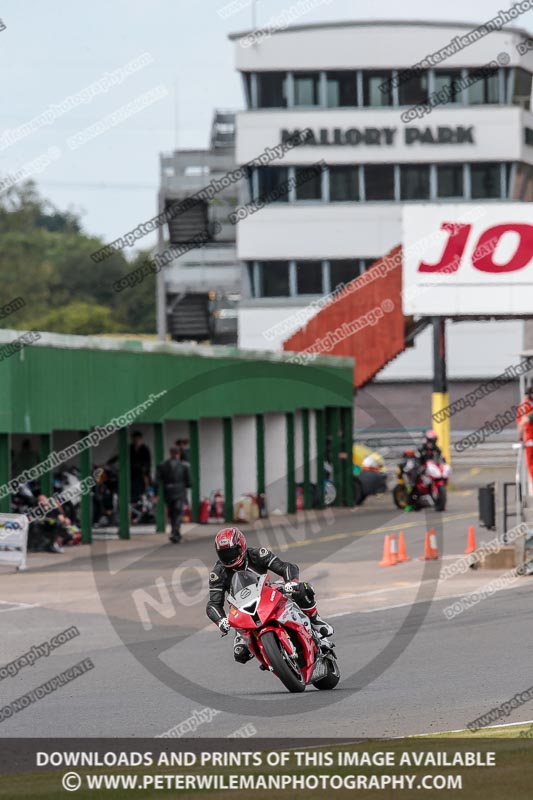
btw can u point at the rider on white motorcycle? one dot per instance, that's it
(233, 554)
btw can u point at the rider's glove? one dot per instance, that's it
(223, 626)
(290, 587)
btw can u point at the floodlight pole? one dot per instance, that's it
(160, 294)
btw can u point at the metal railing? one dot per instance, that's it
(389, 442)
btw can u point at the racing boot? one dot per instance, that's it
(321, 627)
(241, 653)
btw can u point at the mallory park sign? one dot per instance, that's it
(443, 134)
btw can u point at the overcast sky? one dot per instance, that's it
(51, 49)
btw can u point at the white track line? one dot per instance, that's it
(15, 606)
(398, 605)
(370, 593)
(462, 730)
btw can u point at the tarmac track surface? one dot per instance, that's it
(406, 669)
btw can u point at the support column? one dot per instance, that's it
(46, 480)
(260, 452)
(159, 457)
(123, 484)
(5, 470)
(86, 502)
(320, 454)
(347, 430)
(308, 500)
(194, 455)
(334, 427)
(440, 397)
(291, 482)
(228, 469)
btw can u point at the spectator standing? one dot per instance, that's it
(184, 450)
(140, 466)
(175, 476)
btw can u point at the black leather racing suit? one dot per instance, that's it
(427, 452)
(259, 560)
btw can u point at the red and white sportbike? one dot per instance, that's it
(431, 484)
(279, 634)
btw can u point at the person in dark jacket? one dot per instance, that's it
(184, 450)
(234, 554)
(429, 449)
(140, 466)
(176, 479)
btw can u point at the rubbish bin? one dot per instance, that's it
(487, 506)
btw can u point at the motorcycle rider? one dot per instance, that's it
(234, 554)
(429, 449)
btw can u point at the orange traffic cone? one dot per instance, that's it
(471, 541)
(387, 560)
(428, 556)
(393, 549)
(433, 544)
(402, 550)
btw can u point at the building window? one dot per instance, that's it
(379, 181)
(272, 184)
(341, 89)
(414, 90)
(377, 88)
(448, 80)
(485, 181)
(247, 81)
(309, 277)
(342, 271)
(193, 220)
(414, 182)
(272, 90)
(522, 89)
(483, 88)
(308, 183)
(343, 184)
(306, 88)
(250, 270)
(523, 183)
(366, 263)
(275, 278)
(450, 180)
(507, 180)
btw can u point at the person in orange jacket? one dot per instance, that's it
(524, 419)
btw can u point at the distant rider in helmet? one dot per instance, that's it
(233, 555)
(429, 450)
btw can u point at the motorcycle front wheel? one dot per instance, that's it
(332, 678)
(440, 499)
(283, 666)
(400, 497)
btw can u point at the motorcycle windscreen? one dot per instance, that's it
(241, 580)
(245, 590)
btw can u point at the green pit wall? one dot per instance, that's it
(76, 383)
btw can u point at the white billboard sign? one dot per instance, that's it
(468, 259)
(13, 539)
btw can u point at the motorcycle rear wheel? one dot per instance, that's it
(279, 661)
(332, 678)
